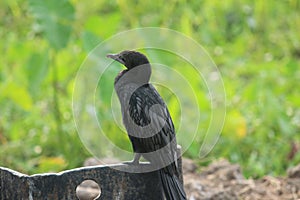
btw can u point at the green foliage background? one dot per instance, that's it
(256, 46)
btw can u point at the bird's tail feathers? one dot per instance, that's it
(172, 187)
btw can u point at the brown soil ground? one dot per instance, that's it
(224, 181)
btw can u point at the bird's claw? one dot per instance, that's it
(133, 162)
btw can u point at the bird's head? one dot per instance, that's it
(138, 66)
(130, 59)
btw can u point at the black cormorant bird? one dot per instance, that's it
(147, 121)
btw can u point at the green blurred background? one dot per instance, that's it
(256, 46)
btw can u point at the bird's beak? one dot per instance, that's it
(115, 57)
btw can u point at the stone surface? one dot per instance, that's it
(113, 181)
(294, 172)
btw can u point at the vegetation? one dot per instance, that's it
(256, 46)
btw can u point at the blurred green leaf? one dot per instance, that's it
(36, 70)
(51, 164)
(54, 17)
(103, 25)
(18, 94)
(292, 66)
(90, 40)
(235, 126)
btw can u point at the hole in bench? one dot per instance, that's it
(88, 190)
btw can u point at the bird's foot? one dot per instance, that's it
(132, 162)
(135, 161)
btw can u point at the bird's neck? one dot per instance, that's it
(139, 75)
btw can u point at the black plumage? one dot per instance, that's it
(148, 121)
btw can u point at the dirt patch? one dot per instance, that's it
(224, 181)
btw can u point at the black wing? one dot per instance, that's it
(150, 126)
